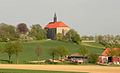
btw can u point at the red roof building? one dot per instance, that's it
(55, 27)
(108, 56)
(106, 52)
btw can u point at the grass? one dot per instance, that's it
(29, 54)
(109, 65)
(32, 71)
(93, 44)
(67, 63)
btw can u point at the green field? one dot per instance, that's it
(93, 44)
(32, 71)
(29, 54)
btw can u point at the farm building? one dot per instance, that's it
(106, 57)
(55, 27)
(77, 58)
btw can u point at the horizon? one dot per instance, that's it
(87, 17)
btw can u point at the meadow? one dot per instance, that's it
(32, 71)
(29, 54)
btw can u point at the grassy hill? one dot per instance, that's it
(29, 53)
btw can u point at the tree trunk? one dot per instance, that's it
(10, 59)
(83, 59)
(61, 58)
(17, 59)
(38, 60)
(53, 58)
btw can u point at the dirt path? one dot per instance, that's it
(90, 69)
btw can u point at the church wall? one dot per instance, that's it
(51, 33)
(62, 30)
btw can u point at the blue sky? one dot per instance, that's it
(87, 17)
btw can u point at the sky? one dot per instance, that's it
(87, 17)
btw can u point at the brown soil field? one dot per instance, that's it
(73, 68)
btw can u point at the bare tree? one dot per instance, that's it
(39, 51)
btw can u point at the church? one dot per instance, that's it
(55, 27)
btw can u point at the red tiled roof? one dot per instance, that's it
(106, 52)
(55, 25)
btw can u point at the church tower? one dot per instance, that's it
(55, 18)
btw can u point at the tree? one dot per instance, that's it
(93, 58)
(87, 37)
(76, 38)
(18, 47)
(91, 37)
(98, 38)
(9, 49)
(13, 48)
(38, 51)
(62, 51)
(37, 32)
(73, 36)
(8, 32)
(1, 48)
(53, 52)
(59, 36)
(22, 28)
(83, 51)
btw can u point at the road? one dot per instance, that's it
(74, 68)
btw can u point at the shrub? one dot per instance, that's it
(93, 58)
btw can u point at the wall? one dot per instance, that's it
(60, 30)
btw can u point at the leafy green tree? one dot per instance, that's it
(62, 51)
(98, 38)
(1, 48)
(83, 51)
(91, 37)
(73, 36)
(59, 36)
(18, 47)
(93, 58)
(37, 32)
(87, 37)
(76, 38)
(84, 37)
(53, 52)
(39, 51)
(13, 48)
(10, 50)
(8, 32)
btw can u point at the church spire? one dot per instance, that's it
(55, 18)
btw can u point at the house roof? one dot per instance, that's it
(75, 54)
(55, 25)
(106, 52)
